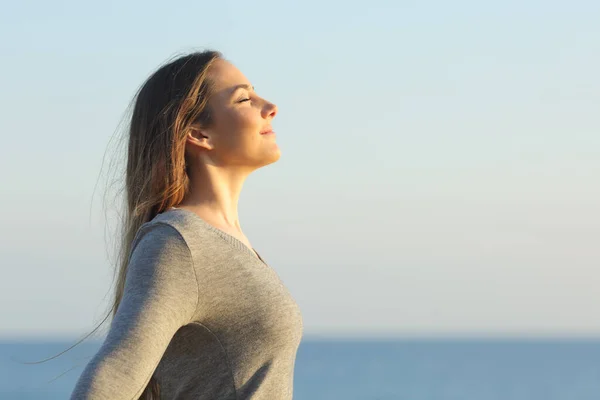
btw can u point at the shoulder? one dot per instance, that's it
(161, 266)
(158, 235)
(171, 226)
(177, 236)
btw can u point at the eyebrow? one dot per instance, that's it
(242, 86)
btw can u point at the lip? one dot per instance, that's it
(269, 132)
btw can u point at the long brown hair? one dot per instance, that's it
(166, 105)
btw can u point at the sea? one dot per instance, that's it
(364, 369)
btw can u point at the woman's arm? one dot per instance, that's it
(161, 295)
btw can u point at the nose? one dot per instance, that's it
(269, 110)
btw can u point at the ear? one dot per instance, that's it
(199, 138)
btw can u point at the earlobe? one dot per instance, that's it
(198, 138)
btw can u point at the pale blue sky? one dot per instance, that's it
(440, 160)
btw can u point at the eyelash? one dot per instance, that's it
(243, 100)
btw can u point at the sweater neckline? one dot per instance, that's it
(235, 242)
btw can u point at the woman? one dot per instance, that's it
(198, 314)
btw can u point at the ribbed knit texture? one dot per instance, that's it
(203, 313)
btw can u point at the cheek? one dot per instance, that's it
(238, 128)
(247, 121)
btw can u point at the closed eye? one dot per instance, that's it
(243, 100)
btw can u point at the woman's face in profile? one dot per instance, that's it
(239, 117)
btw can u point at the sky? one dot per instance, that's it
(440, 168)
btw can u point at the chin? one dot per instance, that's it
(275, 157)
(272, 157)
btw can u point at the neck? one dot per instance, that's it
(214, 194)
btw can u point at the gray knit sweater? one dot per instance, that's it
(203, 313)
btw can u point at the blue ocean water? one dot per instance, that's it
(366, 369)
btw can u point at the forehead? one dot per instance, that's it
(226, 77)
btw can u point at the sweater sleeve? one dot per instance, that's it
(160, 296)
